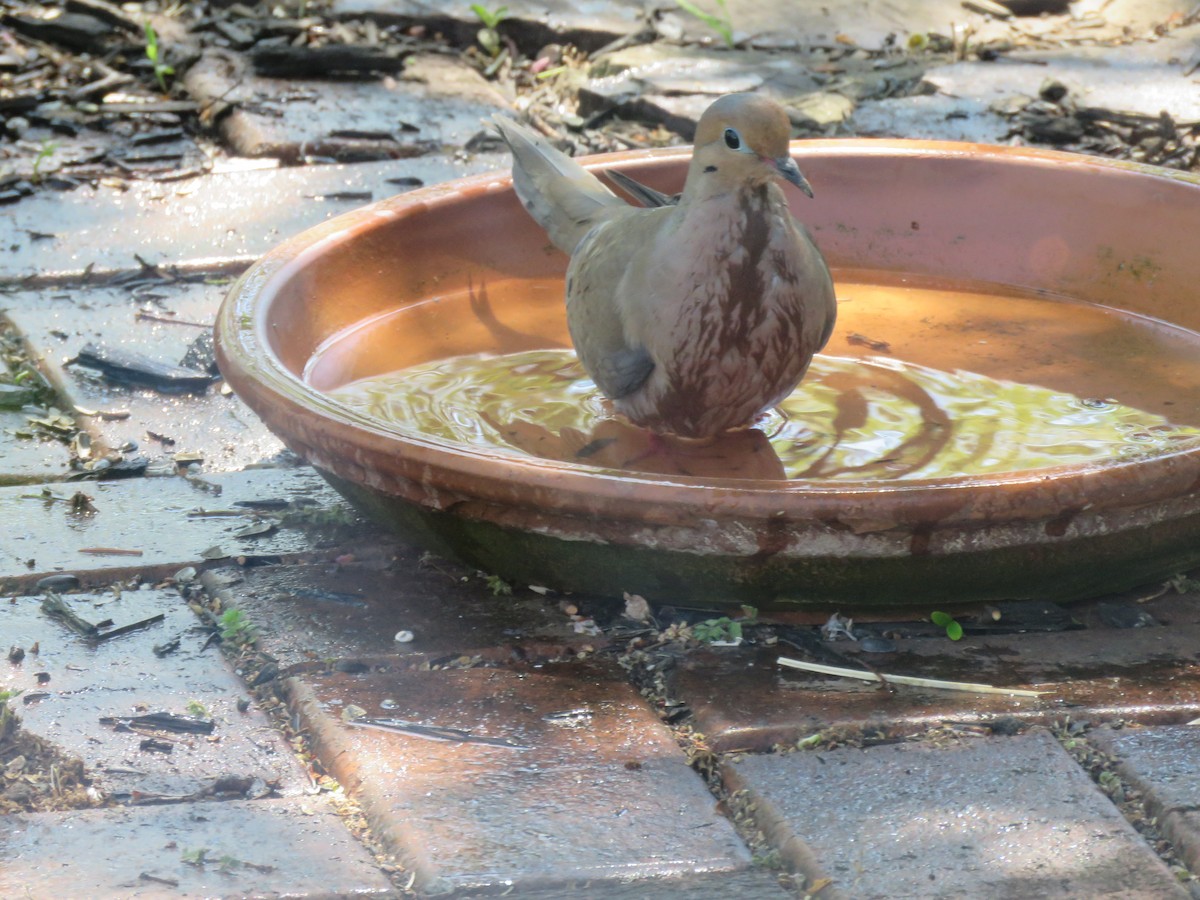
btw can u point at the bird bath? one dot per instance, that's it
(1009, 407)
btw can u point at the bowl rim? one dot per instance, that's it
(275, 392)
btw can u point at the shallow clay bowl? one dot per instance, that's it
(1116, 234)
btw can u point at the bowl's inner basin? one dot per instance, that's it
(921, 380)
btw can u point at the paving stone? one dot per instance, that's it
(1143, 77)
(755, 884)
(1164, 764)
(876, 24)
(216, 223)
(587, 23)
(143, 525)
(602, 791)
(293, 848)
(936, 117)
(57, 323)
(743, 700)
(674, 85)
(872, 24)
(439, 103)
(86, 154)
(320, 612)
(83, 680)
(994, 817)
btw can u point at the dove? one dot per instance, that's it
(693, 314)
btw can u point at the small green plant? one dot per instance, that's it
(203, 856)
(488, 36)
(720, 22)
(724, 630)
(236, 627)
(154, 54)
(498, 586)
(954, 631)
(44, 153)
(197, 857)
(1109, 782)
(197, 709)
(717, 631)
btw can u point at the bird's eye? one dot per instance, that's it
(732, 139)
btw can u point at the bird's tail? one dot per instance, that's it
(560, 195)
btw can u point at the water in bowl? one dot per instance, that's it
(920, 381)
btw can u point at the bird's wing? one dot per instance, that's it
(560, 195)
(647, 196)
(622, 372)
(597, 285)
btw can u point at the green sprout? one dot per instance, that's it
(197, 857)
(721, 23)
(44, 153)
(488, 36)
(161, 69)
(197, 709)
(236, 627)
(724, 630)
(811, 742)
(498, 586)
(954, 631)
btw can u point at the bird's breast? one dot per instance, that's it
(730, 338)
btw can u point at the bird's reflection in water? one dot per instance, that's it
(852, 420)
(617, 444)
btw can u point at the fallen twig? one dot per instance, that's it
(905, 679)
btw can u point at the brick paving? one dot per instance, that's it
(526, 763)
(988, 817)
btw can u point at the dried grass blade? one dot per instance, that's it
(906, 679)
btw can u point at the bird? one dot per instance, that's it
(692, 314)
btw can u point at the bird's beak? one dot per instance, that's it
(790, 172)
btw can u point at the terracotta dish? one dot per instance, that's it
(1043, 224)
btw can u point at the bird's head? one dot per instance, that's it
(743, 139)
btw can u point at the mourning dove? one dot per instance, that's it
(692, 316)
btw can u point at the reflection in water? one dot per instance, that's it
(851, 420)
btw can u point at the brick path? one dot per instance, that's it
(564, 779)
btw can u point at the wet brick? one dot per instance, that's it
(151, 524)
(306, 613)
(294, 848)
(994, 817)
(602, 791)
(87, 680)
(744, 701)
(158, 318)
(212, 224)
(1164, 764)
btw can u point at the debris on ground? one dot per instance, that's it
(35, 776)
